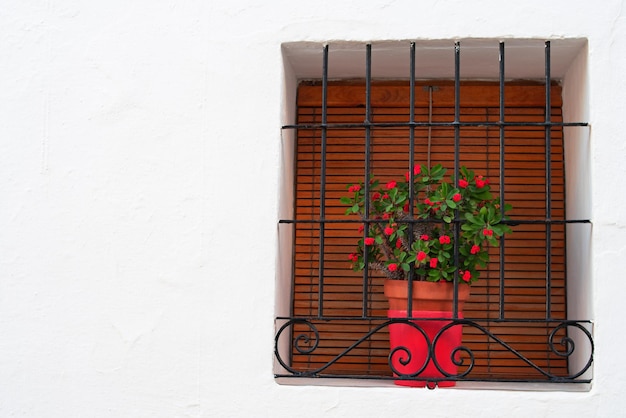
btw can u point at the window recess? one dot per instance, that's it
(517, 326)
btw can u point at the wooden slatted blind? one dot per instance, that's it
(525, 277)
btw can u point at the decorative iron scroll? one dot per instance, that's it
(559, 342)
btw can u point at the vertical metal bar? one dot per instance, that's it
(502, 176)
(457, 105)
(409, 308)
(367, 122)
(457, 139)
(323, 183)
(430, 124)
(548, 127)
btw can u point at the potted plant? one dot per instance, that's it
(435, 231)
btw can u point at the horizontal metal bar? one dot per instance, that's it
(472, 319)
(512, 222)
(427, 124)
(465, 379)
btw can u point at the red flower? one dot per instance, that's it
(353, 257)
(388, 230)
(428, 202)
(354, 188)
(444, 239)
(475, 249)
(406, 207)
(465, 275)
(424, 237)
(369, 241)
(391, 185)
(361, 228)
(457, 197)
(480, 183)
(433, 263)
(398, 244)
(376, 196)
(416, 171)
(421, 256)
(385, 196)
(488, 232)
(463, 183)
(392, 267)
(386, 215)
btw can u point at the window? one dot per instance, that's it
(519, 327)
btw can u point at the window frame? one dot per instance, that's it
(288, 137)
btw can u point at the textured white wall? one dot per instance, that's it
(139, 176)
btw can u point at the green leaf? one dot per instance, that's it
(473, 219)
(346, 200)
(447, 219)
(498, 229)
(483, 195)
(355, 208)
(437, 171)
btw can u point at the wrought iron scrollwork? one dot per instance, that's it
(570, 345)
(399, 351)
(559, 342)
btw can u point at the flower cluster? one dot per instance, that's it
(414, 228)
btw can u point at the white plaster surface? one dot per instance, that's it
(140, 164)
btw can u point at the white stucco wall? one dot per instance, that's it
(140, 173)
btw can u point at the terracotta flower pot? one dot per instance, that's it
(427, 296)
(412, 351)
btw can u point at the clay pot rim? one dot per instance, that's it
(427, 296)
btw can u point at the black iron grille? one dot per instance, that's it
(301, 346)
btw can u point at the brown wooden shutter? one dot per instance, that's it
(525, 290)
